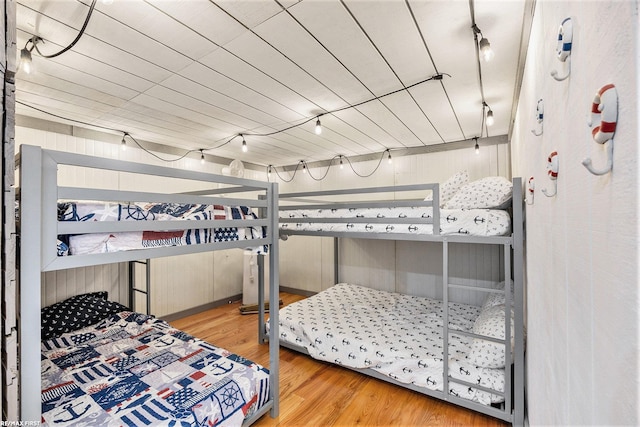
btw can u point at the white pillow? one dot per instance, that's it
(489, 354)
(451, 187)
(497, 298)
(493, 192)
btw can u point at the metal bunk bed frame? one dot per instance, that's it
(39, 194)
(513, 251)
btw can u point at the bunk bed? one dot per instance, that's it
(407, 340)
(124, 367)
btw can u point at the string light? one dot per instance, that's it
(477, 147)
(123, 144)
(389, 158)
(202, 156)
(489, 114)
(483, 45)
(269, 172)
(318, 127)
(341, 164)
(244, 145)
(304, 166)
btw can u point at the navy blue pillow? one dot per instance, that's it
(76, 312)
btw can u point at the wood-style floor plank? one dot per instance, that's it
(314, 393)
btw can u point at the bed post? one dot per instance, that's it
(30, 282)
(518, 278)
(274, 303)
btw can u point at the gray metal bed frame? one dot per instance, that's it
(39, 194)
(513, 408)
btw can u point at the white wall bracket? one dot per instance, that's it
(563, 49)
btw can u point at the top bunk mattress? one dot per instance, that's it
(473, 222)
(86, 211)
(456, 207)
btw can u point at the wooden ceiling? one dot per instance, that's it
(195, 74)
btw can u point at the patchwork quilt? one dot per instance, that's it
(473, 222)
(134, 370)
(395, 334)
(113, 242)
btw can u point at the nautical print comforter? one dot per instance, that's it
(474, 222)
(134, 370)
(113, 242)
(395, 334)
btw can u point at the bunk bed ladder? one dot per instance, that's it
(511, 386)
(133, 289)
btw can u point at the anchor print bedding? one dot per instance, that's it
(395, 334)
(135, 370)
(113, 242)
(473, 222)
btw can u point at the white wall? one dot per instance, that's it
(178, 283)
(582, 245)
(409, 267)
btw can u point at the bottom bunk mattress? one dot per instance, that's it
(397, 335)
(135, 370)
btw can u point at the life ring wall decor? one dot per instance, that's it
(604, 120)
(531, 186)
(539, 117)
(552, 173)
(563, 48)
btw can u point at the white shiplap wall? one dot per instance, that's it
(179, 283)
(583, 335)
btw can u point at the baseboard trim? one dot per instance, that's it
(199, 309)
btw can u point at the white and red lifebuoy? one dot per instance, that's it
(552, 165)
(532, 186)
(604, 114)
(565, 40)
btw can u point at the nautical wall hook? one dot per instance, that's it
(539, 117)
(563, 48)
(530, 191)
(552, 172)
(604, 116)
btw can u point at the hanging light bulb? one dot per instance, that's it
(123, 144)
(304, 166)
(485, 50)
(244, 145)
(490, 117)
(389, 159)
(269, 172)
(318, 127)
(477, 147)
(26, 61)
(201, 157)
(341, 164)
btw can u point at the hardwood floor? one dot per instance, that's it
(314, 393)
